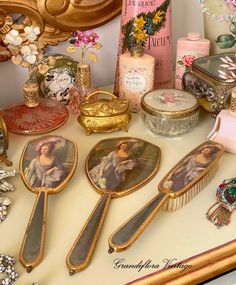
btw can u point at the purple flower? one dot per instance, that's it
(84, 38)
(93, 37)
(74, 34)
(85, 41)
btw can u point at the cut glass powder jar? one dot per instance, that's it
(169, 112)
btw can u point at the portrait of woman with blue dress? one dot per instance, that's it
(192, 167)
(121, 164)
(46, 168)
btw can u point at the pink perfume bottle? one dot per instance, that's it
(189, 48)
(136, 71)
(158, 45)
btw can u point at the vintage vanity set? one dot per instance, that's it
(118, 166)
(178, 187)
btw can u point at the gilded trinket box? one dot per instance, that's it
(104, 115)
(169, 112)
(211, 80)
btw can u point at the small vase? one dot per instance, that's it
(82, 88)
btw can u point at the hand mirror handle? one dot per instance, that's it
(128, 233)
(32, 247)
(46, 166)
(115, 167)
(82, 250)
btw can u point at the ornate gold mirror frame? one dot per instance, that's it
(58, 18)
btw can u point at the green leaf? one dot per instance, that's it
(180, 62)
(232, 28)
(225, 41)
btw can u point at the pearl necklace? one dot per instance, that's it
(219, 18)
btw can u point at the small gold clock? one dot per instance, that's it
(4, 142)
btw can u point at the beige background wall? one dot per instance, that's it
(186, 16)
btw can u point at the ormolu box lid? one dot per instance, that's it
(220, 68)
(169, 103)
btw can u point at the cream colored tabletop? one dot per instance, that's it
(171, 235)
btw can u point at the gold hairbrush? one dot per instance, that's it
(185, 180)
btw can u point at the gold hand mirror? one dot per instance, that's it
(115, 167)
(4, 142)
(46, 166)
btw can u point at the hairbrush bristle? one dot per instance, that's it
(173, 204)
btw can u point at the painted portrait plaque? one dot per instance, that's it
(48, 162)
(122, 164)
(191, 168)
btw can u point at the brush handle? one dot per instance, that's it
(82, 250)
(32, 247)
(127, 233)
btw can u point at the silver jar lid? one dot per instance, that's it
(169, 103)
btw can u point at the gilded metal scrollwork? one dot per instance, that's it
(50, 35)
(83, 14)
(57, 18)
